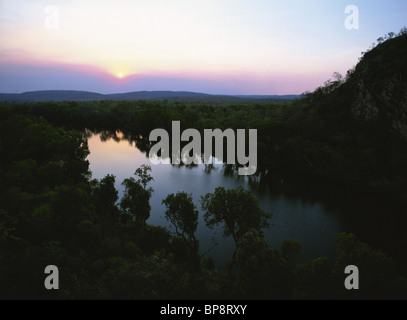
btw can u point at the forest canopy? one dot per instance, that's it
(52, 212)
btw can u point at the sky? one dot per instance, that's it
(210, 46)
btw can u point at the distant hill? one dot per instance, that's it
(71, 95)
(51, 95)
(280, 97)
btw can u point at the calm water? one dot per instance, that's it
(310, 219)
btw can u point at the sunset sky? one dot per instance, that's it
(218, 47)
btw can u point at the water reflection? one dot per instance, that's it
(298, 211)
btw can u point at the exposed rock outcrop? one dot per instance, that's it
(380, 84)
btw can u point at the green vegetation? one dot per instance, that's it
(182, 214)
(52, 212)
(238, 210)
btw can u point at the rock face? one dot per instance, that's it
(389, 102)
(380, 85)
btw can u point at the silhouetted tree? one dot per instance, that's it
(379, 277)
(264, 273)
(237, 209)
(105, 197)
(182, 214)
(135, 203)
(290, 250)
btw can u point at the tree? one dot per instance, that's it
(144, 176)
(237, 208)
(338, 77)
(316, 280)
(264, 273)
(379, 275)
(252, 251)
(105, 197)
(182, 214)
(135, 203)
(290, 250)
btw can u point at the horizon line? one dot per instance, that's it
(151, 91)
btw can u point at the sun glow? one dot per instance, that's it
(120, 75)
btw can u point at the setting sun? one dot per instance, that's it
(120, 75)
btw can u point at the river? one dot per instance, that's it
(312, 219)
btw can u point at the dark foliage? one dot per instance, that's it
(52, 212)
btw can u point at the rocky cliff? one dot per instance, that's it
(379, 85)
